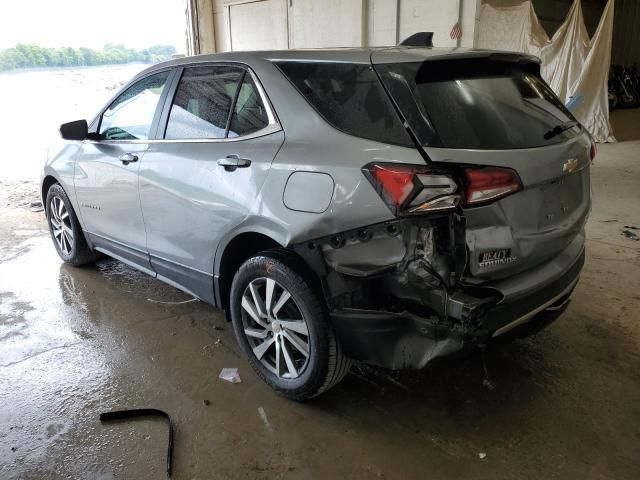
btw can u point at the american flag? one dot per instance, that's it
(456, 31)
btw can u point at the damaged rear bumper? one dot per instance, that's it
(400, 294)
(406, 340)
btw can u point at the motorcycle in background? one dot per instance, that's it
(626, 86)
(612, 92)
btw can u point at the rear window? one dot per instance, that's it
(477, 104)
(349, 97)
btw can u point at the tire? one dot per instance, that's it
(297, 377)
(631, 99)
(69, 240)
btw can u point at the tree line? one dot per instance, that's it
(32, 56)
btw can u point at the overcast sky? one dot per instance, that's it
(90, 23)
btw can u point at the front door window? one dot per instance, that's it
(131, 115)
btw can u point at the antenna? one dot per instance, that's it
(420, 39)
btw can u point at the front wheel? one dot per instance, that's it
(65, 229)
(283, 328)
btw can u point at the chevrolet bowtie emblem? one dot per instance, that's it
(570, 166)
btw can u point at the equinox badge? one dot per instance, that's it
(493, 258)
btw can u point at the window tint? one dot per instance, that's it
(477, 105)
(349, 97)
(130, 116)
(202, 102)
(249, 113)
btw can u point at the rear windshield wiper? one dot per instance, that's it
(558, 129)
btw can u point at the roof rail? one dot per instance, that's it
(420, 39)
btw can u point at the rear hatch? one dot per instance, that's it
(492, 112)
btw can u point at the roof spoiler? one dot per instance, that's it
(420, 39)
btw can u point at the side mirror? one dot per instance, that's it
(77, 130)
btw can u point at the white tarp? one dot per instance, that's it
(574, 66)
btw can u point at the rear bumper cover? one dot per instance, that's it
(403, 340)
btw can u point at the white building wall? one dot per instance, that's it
(435, 16)
(326, 23)
(266, 21)
(382, 22)
(271, 24)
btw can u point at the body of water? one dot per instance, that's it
(34, 103)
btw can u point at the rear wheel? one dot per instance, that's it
(283, 329)
(65, 229)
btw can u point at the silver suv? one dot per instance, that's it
(383, 205)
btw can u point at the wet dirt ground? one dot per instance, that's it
(75, 342)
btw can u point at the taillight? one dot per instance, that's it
(489, 183)
(594, 150)
(410, 189)
(395, 181)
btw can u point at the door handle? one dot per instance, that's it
(128, 158)
(231, 162)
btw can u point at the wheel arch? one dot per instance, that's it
(241, 246)
(52, 177)
(47, 181)
(234, 253)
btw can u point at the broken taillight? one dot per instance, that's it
(395, 182)
(489, 183)
(408, 189)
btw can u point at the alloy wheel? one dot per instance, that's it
(275, 328)
(61, 225)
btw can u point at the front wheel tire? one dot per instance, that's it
(65, 229)
(283, 328)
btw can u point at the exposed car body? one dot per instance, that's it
(433, 198)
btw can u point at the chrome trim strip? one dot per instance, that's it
(268, 130)
(273, 126)
(526, 317)
(265, 100)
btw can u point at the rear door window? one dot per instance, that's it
(202, 103)
(349, 97)
(249, 112)
(130, 116)
(476, 105)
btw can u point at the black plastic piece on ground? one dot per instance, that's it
(420, 39)
(144, 412)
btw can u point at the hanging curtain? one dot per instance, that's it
(574, 66)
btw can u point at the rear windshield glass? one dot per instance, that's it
(349, 97)
(479, 105)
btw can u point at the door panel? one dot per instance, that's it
(106, 173)
(107, 193)
(203, 177)
(189, 202)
